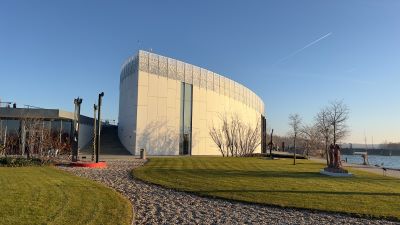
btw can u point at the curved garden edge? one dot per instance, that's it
(210, 196)
(393, 219)
(121, 194)
(46, 194)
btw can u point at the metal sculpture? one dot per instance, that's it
(75, 139)
(98, 126)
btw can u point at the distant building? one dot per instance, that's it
(167, 106)
(17, 126)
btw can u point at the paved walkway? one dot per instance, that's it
(157, 205)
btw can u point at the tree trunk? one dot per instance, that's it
(334, 133)
(294, 154)
(23, 137)
(326, 152)
(270, 147)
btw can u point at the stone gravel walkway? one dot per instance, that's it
(157, 205)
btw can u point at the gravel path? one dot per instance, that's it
(157, 205)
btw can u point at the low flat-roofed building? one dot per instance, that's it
(42, 130)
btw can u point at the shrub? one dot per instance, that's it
(19, 162)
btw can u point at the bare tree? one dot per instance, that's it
(235, 138)
(331, 123)
(294, 123)
(248, 137)
(229, 127)
(324, 126)
(12, 143)
(218, 137)
(46, 140)
(3, 138)
(33, 128)
(279, 141)
(312, 138)
(338, 115)
(2, 149)
(34, 138)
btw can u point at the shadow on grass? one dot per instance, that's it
(238, 173)
(305, 192)
(234, 174)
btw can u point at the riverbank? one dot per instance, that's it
(367, 168)
(392, 162)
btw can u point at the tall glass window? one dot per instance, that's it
(10, 135)
(185, 146)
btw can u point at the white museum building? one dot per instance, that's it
(167, 106)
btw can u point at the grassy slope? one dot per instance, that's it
(45, 195)
(277, 182)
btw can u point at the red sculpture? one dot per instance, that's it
(335, 164)
(331, 159)
(337, 161)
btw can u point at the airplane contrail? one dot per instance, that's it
(303, 48)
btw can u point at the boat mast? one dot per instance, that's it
(365, 141)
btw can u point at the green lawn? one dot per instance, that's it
(277, 182)
(46, 195)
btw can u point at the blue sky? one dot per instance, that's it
(296, 55)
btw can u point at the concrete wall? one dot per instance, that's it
(150, 104)
(208, 107)
(128, 105)
(158, 114)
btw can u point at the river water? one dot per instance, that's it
(384, 161)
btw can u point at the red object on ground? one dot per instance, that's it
(89, 164)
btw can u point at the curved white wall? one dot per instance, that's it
(149, 111)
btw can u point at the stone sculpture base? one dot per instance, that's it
(335, 172)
